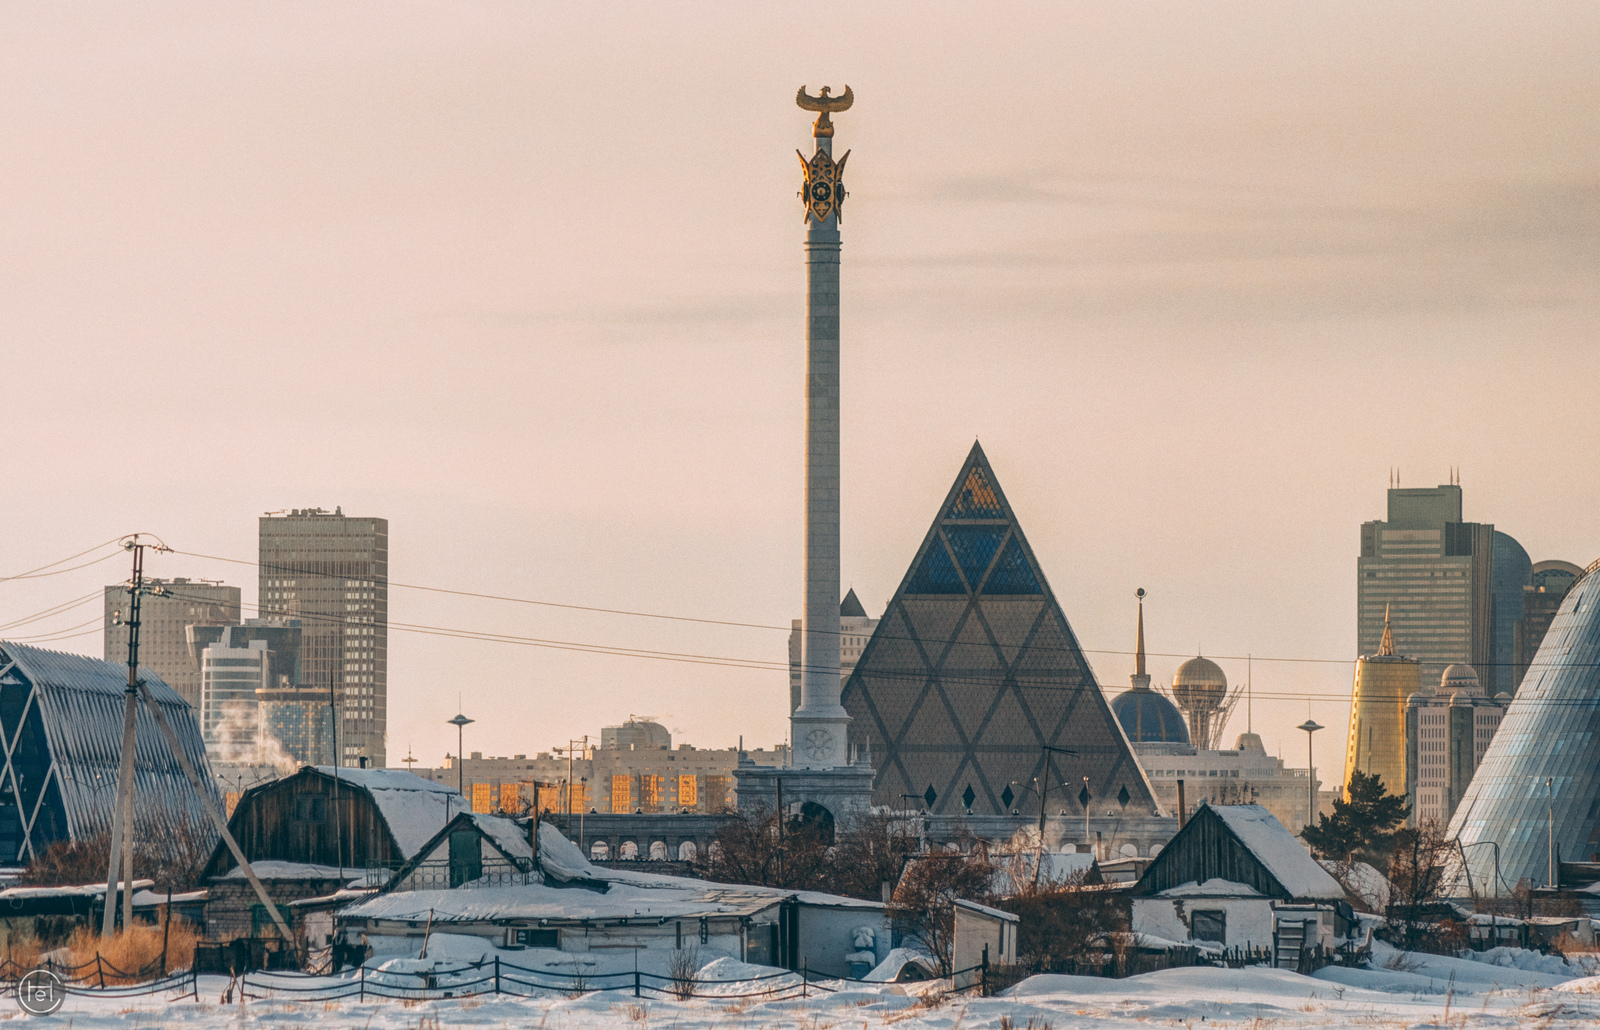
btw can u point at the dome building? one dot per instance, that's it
(1550, 733)
(1243, 775)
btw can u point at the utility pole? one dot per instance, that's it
(122, 812)
(1044, 798)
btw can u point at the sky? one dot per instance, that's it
(526, 279)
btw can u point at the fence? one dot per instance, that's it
(490, 977)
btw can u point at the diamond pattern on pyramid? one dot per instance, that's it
(974, 669)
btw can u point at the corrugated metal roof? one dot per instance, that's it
(76, 704)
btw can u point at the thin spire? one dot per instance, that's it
(1386, 646)
(1138, 661)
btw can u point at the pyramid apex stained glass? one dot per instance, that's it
(973, 672)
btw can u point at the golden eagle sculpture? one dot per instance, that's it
(824, 105)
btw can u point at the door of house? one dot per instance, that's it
(466, 858)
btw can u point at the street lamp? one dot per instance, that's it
(460, 722)
(1310, 726)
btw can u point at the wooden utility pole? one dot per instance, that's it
(122, 810)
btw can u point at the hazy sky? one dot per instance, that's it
(526, 279)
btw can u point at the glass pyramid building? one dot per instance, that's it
(1537, 791)
(973, 672)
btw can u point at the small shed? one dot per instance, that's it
(983, 936)
(1235, 876)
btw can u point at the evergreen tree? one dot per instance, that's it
(1363, 826)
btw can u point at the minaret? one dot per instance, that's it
(818, 725)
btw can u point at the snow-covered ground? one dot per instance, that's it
(1418, 991)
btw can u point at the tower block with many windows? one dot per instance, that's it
(331, 571)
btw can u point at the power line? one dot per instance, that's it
(1021, 683)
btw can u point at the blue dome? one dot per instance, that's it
(1147, 717)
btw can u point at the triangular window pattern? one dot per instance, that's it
(976, 500)
(1012, 573)
(936, 574)
(974, 547)
(962, 691)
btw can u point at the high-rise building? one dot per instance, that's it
(1537, 790)
(331, 571)
(1377, 743)
(1435, 575)
(1541, 600)
(974, 684)
(167, 610)
(299, 719)
(229, 679)
(855, 629)
(1448, 731)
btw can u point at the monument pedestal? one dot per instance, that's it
(844, 790)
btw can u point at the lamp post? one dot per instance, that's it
(1310, 726)
(460, 722)
(1550, 827)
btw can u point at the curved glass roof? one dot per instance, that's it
(1551, 731)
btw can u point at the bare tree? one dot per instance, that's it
(923, 907)
(1419, 872)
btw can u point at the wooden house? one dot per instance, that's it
(319, 831)
(1235, 877)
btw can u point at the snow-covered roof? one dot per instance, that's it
(1288, 860)
(993, 913)
(691, 900)
(507, 835)
(277, 869)
(152, 899)
(92, 890)
(414, 808)
(1212, 888)
(1363, 881)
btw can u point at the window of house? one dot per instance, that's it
(1209, 926)
(311, 808)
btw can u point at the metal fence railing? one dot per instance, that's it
(490, 977)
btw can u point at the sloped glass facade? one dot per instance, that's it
(974, 669)
(61, 715)
(1550, 731)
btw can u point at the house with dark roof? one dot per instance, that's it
(61, 715)
(1234, 876)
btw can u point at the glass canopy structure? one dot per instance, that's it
(973, 682)
(61, 718)
(1537, 791)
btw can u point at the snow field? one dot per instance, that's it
(1258, 999)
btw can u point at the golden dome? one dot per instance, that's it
(1199, 683)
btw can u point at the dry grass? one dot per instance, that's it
(130, 951)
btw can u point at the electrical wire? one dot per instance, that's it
(913, 676)
(31, 572)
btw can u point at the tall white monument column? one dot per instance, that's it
(820, 783)
(818, 725)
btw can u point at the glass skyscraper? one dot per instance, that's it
(331, 571)
(1453, 589)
